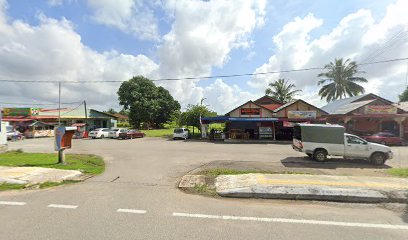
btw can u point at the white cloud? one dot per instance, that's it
(130, 16)
(357, 36)
(54, 51)
(202, 36)
(55, 2)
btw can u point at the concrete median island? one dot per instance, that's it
(19, 170)
(296, 181)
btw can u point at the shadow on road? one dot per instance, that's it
(333, 163)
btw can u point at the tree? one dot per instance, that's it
(282, 91)
(341, 80)
(145, 102)
(191, 117)
(111, 111)
(404, 96)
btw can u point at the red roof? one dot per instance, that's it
(271, 106)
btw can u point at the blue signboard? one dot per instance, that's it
(59, 133)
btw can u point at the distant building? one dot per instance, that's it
(267, 118)
(123, 120)
(40, 122)
(367, 114)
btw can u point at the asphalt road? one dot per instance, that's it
(144, 203)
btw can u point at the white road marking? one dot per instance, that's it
(124, 210)
(62, 206)
(12, 203)
(299, 221)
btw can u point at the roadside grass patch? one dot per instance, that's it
(214, 172)
(9, 186)
(53, 184)
(204, 189)
(398, 172)
(88, 164)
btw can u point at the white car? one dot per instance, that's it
(181, 133)
(99, 133)
(114, 133)
(319, 140)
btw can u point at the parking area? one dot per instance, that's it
(166, 160)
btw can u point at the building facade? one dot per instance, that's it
(368, 114)
(266, 118)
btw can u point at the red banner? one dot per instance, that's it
(250, 111)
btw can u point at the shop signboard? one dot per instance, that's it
(250, 111)
(380, 109)
(21, 111)
(292, 124)
(301, 114)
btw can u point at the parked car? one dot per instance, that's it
(99, 133)
(130, 134)
(181, 133)
(385, 138)
(114, 133)
(320, 140)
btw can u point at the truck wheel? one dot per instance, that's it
(378, 158)
(320, 155)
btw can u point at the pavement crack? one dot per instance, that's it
(115, 178)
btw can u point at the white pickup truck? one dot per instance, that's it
(320, 140)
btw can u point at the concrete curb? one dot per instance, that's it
(280, 187)
(357, 195)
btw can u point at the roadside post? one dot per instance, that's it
(63, 140)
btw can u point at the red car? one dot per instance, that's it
(130, 134)
(384, 138)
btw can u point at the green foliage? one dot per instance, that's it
(399, 172)
(191, 117)
(341, 80)
(111, 111)
(123, 125)
(9, 186)
(282, 91)
(88, 164)
(146, 103)
(404, 96)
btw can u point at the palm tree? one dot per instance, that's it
(341, 80)
(281, 91)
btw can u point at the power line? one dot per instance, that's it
(36, 104)
(202, 77)
(72, 109)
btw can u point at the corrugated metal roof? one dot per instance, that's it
(271, 106)
(402, 105)
(284, 106)
(351, 106)
(334, 106)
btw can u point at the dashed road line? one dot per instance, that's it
(296, 221)
(62, 206)
(12, 203)
(125, 210)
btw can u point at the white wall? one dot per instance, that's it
(3, 136)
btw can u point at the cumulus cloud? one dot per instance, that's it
(54, 51)
(202, 36)
(130, 16)
(357, 36)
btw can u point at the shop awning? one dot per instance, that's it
(237, 119)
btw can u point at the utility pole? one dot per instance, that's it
(86, 117)
(59, 104)
(61, 153)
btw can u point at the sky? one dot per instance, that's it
(106, 40)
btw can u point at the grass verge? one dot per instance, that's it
(398, 172)
(9, 186)
(214, 172)
(87, 164)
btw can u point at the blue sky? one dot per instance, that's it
(162, 46)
